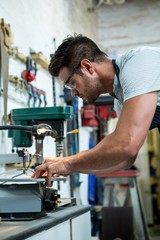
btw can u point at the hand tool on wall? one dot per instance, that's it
(53, 78)
(34, 94)
(39, 93)
(29, 92)
(30, 73)
(44, 98)
(4, 66)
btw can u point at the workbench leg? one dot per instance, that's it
(140, 226)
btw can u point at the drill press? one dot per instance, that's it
(26, 198)
(56, 117)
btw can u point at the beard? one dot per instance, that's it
(91, 91)
(90, 100)
(91, 96)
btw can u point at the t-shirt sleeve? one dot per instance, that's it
(117, 107)
(141, 74)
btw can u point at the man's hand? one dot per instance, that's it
(54, 168)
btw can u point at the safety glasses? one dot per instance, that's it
(71, 85)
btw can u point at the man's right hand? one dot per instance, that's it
(54, 168)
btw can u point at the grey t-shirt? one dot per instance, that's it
(139, 74)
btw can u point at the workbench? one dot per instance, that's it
(125, 177)
(69, 223)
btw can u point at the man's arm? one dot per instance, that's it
(120, 148)
(117, 150)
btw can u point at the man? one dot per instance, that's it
(135, 84)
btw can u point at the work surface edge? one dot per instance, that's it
(25, 229)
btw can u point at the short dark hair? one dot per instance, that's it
(72, 50)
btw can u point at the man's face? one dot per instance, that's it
(83, 85)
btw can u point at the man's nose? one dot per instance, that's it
(74, 92)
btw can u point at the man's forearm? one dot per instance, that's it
(110, 155)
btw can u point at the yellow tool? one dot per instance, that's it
(73, 131)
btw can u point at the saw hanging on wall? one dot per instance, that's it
(4, 68)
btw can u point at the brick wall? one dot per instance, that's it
(134, 23)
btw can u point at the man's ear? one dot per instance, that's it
(87, 65)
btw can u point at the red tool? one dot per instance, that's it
(30, 73)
